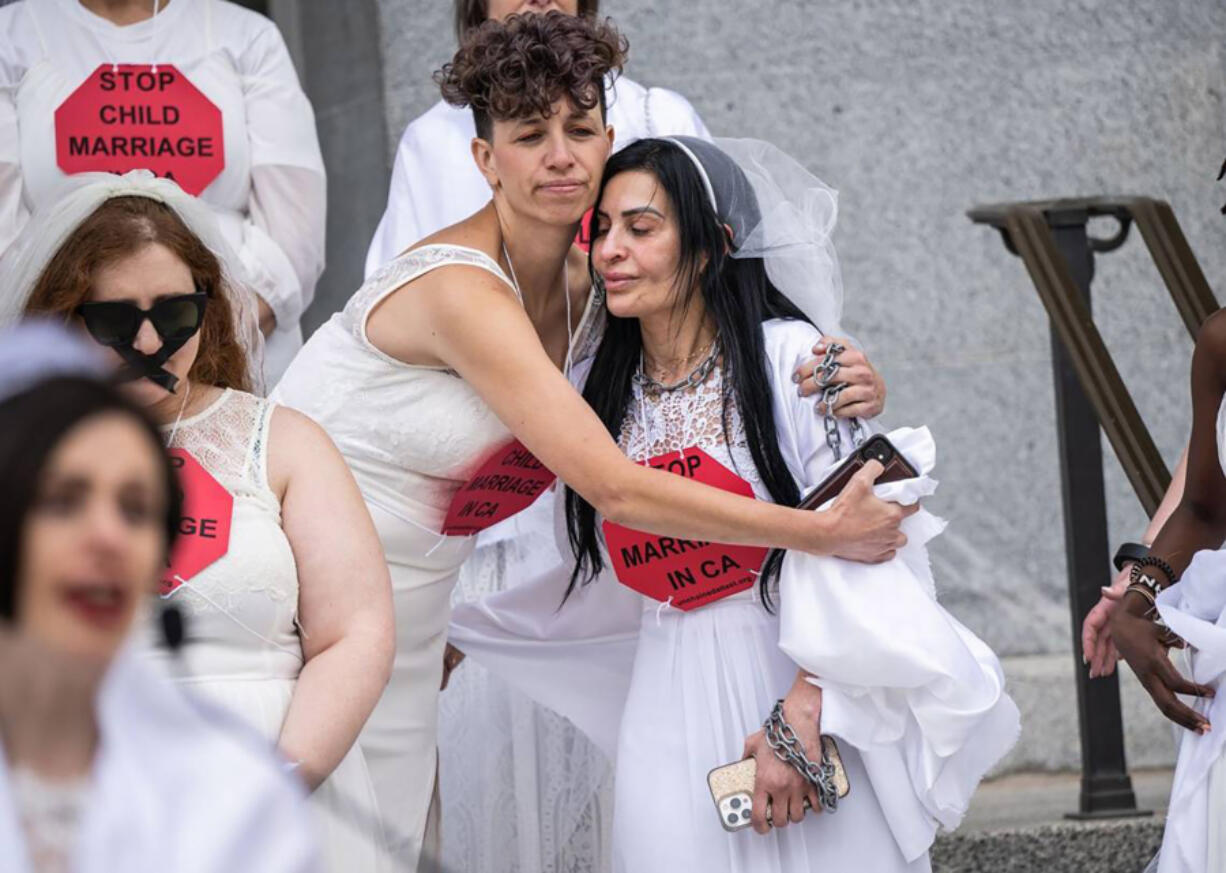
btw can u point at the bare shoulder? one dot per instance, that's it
(407, 322)
(1211, 338)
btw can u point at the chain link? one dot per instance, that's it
(826, 371)
(787, 748)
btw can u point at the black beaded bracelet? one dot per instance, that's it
(1152, 561)
(1129, 552)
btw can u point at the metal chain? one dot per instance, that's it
(696, 377)
(787, 748)
(826, 371)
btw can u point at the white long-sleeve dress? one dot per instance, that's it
(674, 694)
(270, 197)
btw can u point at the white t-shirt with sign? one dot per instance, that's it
(76, 88)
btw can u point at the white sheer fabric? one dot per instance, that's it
(270, 198)
(244, 651)
(676, 693)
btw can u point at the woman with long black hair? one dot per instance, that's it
(716, 265)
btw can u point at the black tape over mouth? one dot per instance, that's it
(138, 365)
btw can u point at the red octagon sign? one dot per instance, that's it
(129, 117)
(204, 526)
(508, 481)
(685, 573)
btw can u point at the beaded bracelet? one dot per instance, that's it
(1152, 561)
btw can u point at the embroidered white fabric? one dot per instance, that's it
(661, 421)
(51, 815)
(522, 790)
(229, 439)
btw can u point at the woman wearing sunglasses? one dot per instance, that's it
(284, 588)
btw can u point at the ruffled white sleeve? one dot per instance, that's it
(920, 696)
(13, 212)
(283, 241)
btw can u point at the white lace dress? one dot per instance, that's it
(916, 701)
(243, 649)
(412, 435)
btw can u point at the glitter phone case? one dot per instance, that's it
(732, 787)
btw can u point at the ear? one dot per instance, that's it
(610, 135)
(730, 237)
(483, 156)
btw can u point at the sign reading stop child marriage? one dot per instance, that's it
(686, 574)
(141, 117)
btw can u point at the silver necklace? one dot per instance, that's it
(696, 377)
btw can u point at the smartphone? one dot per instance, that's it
(732, 787)
(876, 448)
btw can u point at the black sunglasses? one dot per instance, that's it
(116, 322)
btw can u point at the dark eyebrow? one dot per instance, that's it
(642, 210)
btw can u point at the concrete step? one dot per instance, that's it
(1016, 825)
(1044, 689)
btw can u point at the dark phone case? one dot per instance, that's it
(875, 448)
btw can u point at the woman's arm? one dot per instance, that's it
(777, 784)
(451, 316)
(1097, 648)
(344, 596)
(1198, 522)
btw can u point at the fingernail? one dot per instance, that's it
(1084, 661)
(795, 377)
(1104, 588)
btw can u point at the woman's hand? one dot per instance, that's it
(865, 526)
(1144, 646)
(864, 396)
(451, 659)
(1097, 647)
(779, 786)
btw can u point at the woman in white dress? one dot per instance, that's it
(104, 764)
(283, 585)
(456, 348)
(693, 372)
(253, 153)
(497, 745)
(1176, 597)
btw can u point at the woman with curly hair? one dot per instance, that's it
(458, 347)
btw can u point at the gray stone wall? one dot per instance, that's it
(917, 111)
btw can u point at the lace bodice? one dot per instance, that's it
(241, 609)
(660, 421)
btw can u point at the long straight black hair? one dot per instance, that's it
(738, 295)
(32, 424)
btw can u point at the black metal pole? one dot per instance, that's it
(1106, 788)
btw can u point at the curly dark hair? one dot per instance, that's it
(469, 14)
(520, 66)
